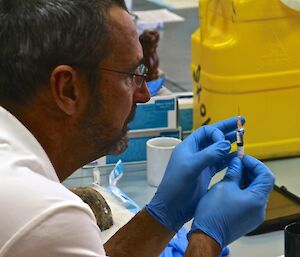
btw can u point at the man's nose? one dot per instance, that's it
(142, 94)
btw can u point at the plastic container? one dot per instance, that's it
(245, 56)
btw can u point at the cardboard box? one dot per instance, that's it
(159, 113)
(185, 111)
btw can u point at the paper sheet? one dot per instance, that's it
(155, 19)
(176, 4)
(156, 16)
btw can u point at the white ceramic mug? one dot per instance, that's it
(159, 150)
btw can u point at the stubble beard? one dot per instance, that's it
(121, 144)
(102, 138)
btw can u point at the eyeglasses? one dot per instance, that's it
(138, 77)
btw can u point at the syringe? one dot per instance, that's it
(240, 138)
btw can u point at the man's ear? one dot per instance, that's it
(66, 87)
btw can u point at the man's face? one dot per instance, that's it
(113, 108)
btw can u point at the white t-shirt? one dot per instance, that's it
(39, 217)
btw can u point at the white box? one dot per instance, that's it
(185, 111)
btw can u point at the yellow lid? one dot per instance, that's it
(247, 10)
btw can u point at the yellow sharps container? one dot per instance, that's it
(246, 56)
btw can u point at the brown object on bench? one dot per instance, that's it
(149, 41)
(98, 205)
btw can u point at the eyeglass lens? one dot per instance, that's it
(142, 73)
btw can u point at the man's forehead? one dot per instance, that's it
(124, 39)
(121, 24)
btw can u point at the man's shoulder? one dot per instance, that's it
(28, 198)
(30, 193)
(33, 187)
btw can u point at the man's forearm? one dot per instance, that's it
(201, 245)
(141, 236)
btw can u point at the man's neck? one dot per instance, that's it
(53, 134)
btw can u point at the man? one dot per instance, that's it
(71, 74)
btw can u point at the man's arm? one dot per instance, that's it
(201, 245)
(141, 236)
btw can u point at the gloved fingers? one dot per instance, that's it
(205, 136)
(234, 171)
(231, 136)
(204, 179)
(252, 163)
(228, 125)
(225, 162)
(214, 134)
(225, 251)
(263, 181)
(247, 179)
(211, 155)
(256, 167)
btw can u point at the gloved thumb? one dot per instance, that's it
(263, 180)
(211, 154)
(234, 171)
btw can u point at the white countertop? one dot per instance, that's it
(287, 173)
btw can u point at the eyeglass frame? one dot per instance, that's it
(132, 74)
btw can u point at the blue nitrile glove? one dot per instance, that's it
(227, 212)
(192, 165)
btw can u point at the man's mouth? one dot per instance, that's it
(129, 119)
(131, 115)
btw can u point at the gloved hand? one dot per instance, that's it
(192, 165)
(227, 212)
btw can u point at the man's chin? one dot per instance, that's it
(120, 146)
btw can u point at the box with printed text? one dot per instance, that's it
(159, 113)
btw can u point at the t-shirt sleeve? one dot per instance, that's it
(62, 231)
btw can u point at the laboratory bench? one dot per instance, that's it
(134, 184)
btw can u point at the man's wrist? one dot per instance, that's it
(160, 213)
(141, 236)
(202, 245)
